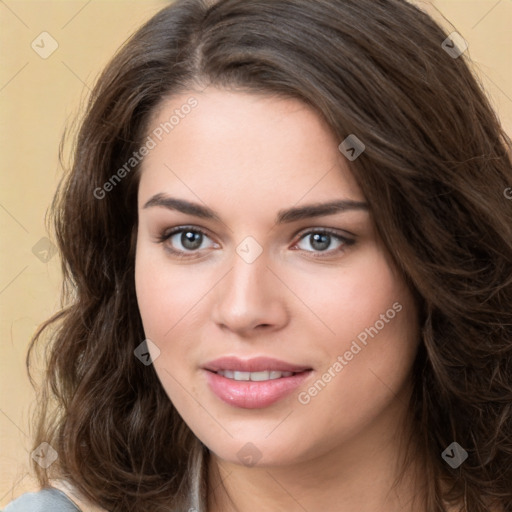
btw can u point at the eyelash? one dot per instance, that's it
(347, 242)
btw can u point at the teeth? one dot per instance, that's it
(254, 376)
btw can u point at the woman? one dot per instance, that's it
(288, 250)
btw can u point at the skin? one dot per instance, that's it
(247, 157)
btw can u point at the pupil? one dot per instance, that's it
(320, 241)
(191, 240)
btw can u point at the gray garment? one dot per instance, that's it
(46, 500)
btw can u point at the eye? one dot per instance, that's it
(182, 240)
(321, 240)
(186, 241)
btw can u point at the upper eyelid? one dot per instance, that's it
(192, 227)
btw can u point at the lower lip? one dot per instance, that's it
(253, 394)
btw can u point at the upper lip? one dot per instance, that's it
(256, 364)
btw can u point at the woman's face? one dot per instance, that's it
(297, 305)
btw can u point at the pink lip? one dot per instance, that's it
(249, 394)
(256, 364)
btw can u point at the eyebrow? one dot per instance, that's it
(284, 216)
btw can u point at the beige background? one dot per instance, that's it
(39, 97)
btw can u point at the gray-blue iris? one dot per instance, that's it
(322, 240)
(195, 240)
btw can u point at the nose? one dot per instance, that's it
(250, 299)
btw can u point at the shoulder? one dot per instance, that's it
(61, 496)
(80, 501)
(45, 500)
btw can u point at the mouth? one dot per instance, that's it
(253, 383)
(255, 376)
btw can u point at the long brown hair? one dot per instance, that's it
(434, 172)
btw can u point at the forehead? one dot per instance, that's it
(242, 146)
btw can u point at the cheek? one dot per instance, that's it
(166, 299)
(148, 286)
(352, 299)
(351, 393)
(166, 296)
(374, 318)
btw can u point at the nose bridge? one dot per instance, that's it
(247, 296)
(246, 283)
